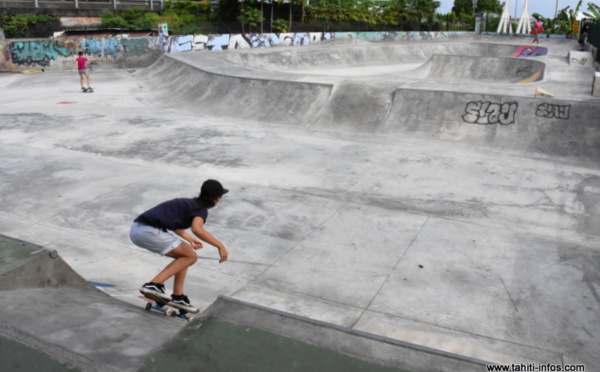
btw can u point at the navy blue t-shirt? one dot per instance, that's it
(173, 215)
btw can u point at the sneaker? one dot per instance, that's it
(155, 288)
(181, 300)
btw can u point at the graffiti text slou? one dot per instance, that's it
(489, 113)
(549, 111)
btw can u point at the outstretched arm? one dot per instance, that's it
(200, 232)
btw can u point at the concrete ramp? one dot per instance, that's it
(178, 84)
(368, 54)
(53, 320)
(471, 93)
(485, 69)
(524, 124)
(26, 266)
(237, 336)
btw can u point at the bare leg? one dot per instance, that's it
(178, 282)
(87, 76)
(81, 80)
(184, 256)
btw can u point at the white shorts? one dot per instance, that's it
(153, 239)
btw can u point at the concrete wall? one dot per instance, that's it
(127, 52)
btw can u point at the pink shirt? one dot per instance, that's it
(81, 63)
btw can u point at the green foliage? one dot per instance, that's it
(188, 11)
(487, 6)
(373, 12)
(228, 10)
(250, 16)
(16, 26)
(280, 25)
(181, 16)
(564, 22)
(594, 11)
(131, 19)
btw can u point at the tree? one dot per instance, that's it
(250, 16)
(466, 6)
(423, 9)
(594, 11)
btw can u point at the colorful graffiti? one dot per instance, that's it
(35, 52)
(136, 46)
(180, 44)
(530, 51)
(41, 53)
(27, 54)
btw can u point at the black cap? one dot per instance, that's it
(212, 189)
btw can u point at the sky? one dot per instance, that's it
(546, 8)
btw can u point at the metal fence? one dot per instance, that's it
(594, 34)
(594, 37)
(84, 4)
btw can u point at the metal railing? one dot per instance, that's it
(84, 4)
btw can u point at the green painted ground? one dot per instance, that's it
(16, 357)
(219, 346)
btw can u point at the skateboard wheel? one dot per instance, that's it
(148, 306)
(168, 312)
(190, 318)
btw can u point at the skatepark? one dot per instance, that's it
(409, 205)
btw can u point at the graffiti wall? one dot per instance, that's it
(59, 53)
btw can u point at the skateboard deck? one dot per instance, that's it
(167, 307)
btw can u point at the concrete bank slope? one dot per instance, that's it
(476, 93)
(234, 335)
(52, 319)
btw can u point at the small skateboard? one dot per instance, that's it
(167, 307)
(87, 90)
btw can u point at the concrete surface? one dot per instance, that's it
(54, 320)
(367, 202)
(236, 336)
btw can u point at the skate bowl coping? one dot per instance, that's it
(451, 61)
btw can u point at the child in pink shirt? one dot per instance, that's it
(80, 65)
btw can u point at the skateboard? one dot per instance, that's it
(87, 90)
(167, 307)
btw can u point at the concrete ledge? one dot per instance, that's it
(579, 58)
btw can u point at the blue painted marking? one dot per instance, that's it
(102, 285)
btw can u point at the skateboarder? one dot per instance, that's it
(80, 65)
(152, 230)
(537, 30)
(585, 29)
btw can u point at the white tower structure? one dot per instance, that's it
(505, 24)
(525, 22)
